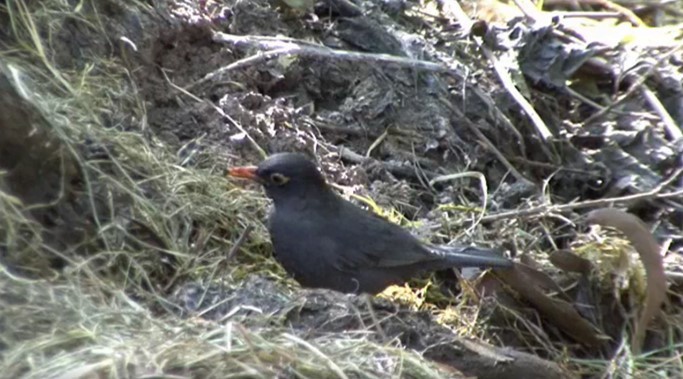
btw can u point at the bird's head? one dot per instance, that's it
(284, 176)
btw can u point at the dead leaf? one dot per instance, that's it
(560, 313)
(648, 249)
(568, 261)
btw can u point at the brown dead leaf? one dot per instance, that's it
(531, 268)
(568, 261)
(648, 249)
(560, 313)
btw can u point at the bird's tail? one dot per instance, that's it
(471, 256)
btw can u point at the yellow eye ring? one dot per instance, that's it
(278, 178)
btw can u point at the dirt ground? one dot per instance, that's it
(114, 194)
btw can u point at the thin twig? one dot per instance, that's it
(486, 142)
(654, 193)
(253, 142)
(534, 14)
(396, 169)
(238, 244)
(504, 76)
(670, 125)
(482, 185)
(231, 254)
(635, 85)
(287, 46)
(373, 317)
(259, 57)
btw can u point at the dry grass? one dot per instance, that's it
(148, 210)
(73, 329)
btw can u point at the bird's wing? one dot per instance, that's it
(369, 241)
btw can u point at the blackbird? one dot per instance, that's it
(324, 241)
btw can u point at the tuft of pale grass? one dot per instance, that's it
(72, 329)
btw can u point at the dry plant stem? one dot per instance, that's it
(378, 141)
(486, 142)
(590, 15)
(228, 258)
(502, 117)
(371, 311)
(238, 244)
(482, 186)
(506, 80)
(584, 99)
(503, 75)
(648, 250)
(289, 46)
(627, 13)
(253, 142)
(532, 12)
(655, 193)
(672, 129)
(352, 156)
(635, 86)
(246, 62)
(497, 153)
(334, 368)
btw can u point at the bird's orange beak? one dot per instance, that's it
(245, 172)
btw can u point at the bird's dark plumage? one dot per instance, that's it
(324, 241)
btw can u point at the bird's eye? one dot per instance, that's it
(278, 178)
